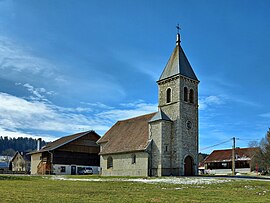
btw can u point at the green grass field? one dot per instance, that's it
(48, 189)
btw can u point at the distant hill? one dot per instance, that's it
(9, 146)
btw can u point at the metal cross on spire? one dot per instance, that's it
(178, 34)
(178, 28)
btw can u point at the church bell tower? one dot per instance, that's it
(178, 116)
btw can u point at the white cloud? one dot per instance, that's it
(135, 109)
(209, 101)
(38, 93)
(19, 115)
(15, 59)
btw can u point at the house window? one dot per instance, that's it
(185, 94)
(109, 162)
(63, 169)
(191, 96)
(133, 159)
(169, 95)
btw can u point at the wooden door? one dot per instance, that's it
(188, 166)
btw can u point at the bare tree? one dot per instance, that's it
(261, 158)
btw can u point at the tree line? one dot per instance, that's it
(9, 146)
(261, 159)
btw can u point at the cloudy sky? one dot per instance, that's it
(68, 66)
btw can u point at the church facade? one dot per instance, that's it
(162, 143)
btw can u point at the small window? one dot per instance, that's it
(185, 94)
(191, 96)
(109, 162)
(133, 161)
(166, 148)
(63, 169)
(169, 95)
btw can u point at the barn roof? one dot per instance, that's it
(127, 136)
(226, 155)
(64, 140)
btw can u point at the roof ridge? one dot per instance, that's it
(235, 148)
(137, 117)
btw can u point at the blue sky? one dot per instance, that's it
(68, 66)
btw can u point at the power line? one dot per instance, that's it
(215, 145)
(248, 139)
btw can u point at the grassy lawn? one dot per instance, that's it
(46, 189)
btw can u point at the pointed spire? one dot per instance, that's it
(178, 62)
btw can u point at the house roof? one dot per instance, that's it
(226, 155)
(127, 136)
(160, 115)
(25, 156)
(63, 140)
(178, 64)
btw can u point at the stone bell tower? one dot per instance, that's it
(177, 118)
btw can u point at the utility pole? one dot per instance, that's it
(233, 156)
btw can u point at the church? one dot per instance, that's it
(162, 143)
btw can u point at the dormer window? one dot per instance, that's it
(169, 95)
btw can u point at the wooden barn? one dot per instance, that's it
(67, 155)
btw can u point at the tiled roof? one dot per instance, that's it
(178, 64)
(127, 135)
(64, 140)
(226, 155)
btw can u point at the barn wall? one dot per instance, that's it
(62, 169)
(77, 158)
(35, 160)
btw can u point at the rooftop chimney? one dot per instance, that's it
(38, 144)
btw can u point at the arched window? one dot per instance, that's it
(169, 95)
(185, 94)
(133, 157)
(191, 96)
(109, 162)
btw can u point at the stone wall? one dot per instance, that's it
(189, 134)
(184, 139)
(123, 166)
(156, 147)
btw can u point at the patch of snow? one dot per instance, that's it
(171, 180)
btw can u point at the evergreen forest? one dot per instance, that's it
(9, 146)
